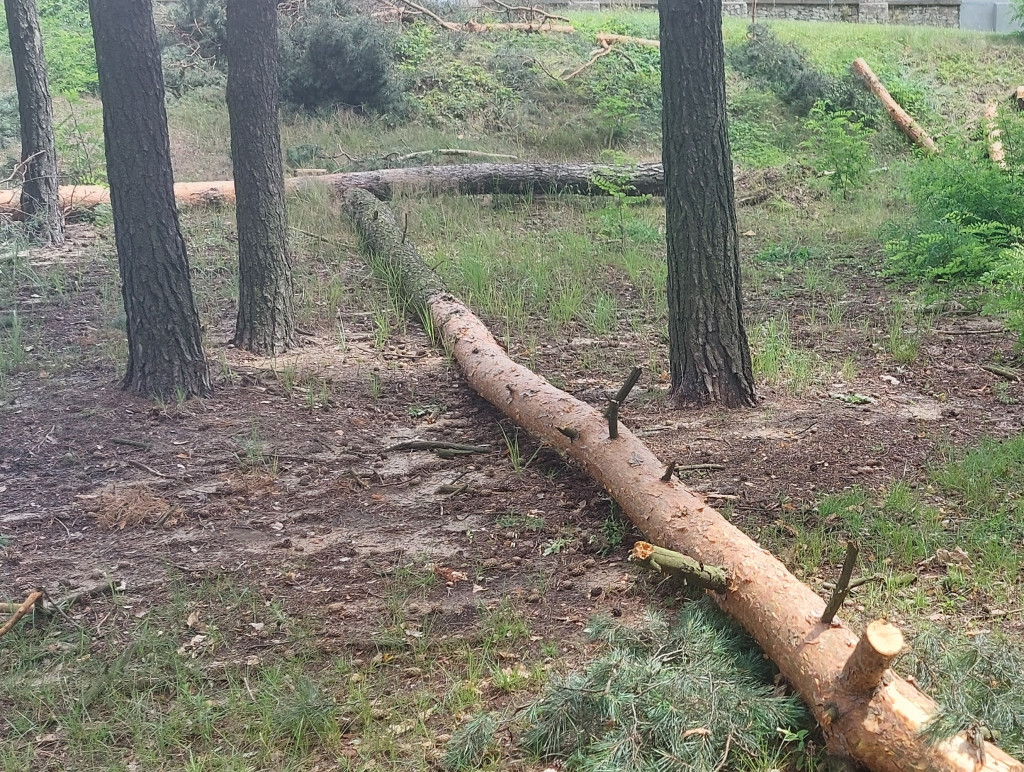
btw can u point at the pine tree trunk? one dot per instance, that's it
(165, 352)
(265, 321)
(40, 197)
(708, 350)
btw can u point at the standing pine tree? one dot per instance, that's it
(40, 193)
(165, 351)
(708, 350)
(265, 321)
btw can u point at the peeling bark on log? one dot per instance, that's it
(644, 179)
(880, 729)
(900, 117)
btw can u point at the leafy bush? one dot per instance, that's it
(328, 61)
(970, 213)
(10, 122)
(785, 69)
(839, 146)
(329, 55)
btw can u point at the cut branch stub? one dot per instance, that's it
(875, 651)
(679, 566)
(612, 413)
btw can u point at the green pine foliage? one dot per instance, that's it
(329, 55)
(977, 682)
(788, 72)
(695, 695)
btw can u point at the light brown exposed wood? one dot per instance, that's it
(607, 39)
(516, 178)
(875, 651)
(23, 609)
(677, 565)
(900, 117)
(881, 729)
(995, 142)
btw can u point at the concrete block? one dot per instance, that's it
(1005, 19)
(978, 15)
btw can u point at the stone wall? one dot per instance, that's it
(936, 13)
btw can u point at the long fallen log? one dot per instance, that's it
(866, 711)
(900, 117)
(521, 178)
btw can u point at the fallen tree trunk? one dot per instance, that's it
(900, 117)
(994, 135)
(642, 179)
(607, 39)
(867, 712)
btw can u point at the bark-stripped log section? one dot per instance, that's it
(646, 179)
(880, 729)
(900, 117)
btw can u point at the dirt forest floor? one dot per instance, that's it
(291, 479)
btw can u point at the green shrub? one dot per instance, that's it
(329, 55)
(330, 61)
(839, 146)
(970, 212)
(785, 69)
(10, 122)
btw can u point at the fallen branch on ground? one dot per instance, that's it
(900, 117)
(22, 611)
(872, 716)
(438, 445)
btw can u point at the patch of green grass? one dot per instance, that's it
(777, 361)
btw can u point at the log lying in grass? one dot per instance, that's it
(607, 39)
(994, 135)
(521, 178)
(900, 117)
(878, 724)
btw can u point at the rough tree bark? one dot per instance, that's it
(709, 355)
(265, 323)
(867, 712)
(40, 198)
(165, 352)
(520, 179)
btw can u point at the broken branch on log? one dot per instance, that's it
(679, 566)
(900, 117)
(992, 132)
(612, 413)
(843, 585)
(30, 602)
(881, 729)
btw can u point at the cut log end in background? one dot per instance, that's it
(880, 728)
(900, 117)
